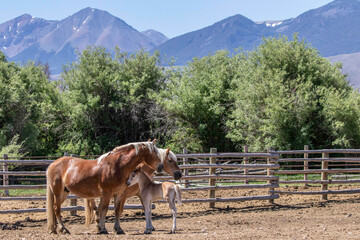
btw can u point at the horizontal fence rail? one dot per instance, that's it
(282, 160)
(235, 199)
(345, 151)
(75, 208)
(229, 155)
(352, 191)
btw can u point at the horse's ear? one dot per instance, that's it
(154, 141)
(138, 168)
(149, 140)
(167, 151)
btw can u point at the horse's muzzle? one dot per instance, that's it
(177, 175)
(128, 182)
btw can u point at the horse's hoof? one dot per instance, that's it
(53, 232)
(153, 229)
(147, 231)
(64, 231)
(103, 231)
(119, 231)
(172, 232)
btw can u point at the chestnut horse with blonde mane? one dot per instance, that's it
(170, 166)
(103, 178)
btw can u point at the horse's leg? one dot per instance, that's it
(50, 209)
(119, 202)
(147, 209)
(103, 207)
(96, 209)
(89, 211)
(97, 215)
(174, 213)
(59, 199)
(142, 203)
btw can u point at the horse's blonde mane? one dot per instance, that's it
(173, 156)
(162, 154)
(136, 145)
(150, 145)
(102, 157)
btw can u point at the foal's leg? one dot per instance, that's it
(59, 199)
(151, 226)
(147, 209)
(172, 206)
(119, 202)
(103, 207)
(142, 203)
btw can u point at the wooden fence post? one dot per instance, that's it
(186, 171)
(324, 176)
(6, 177)
(246, 161)
(270, 173)
(306, 164)
(212, 172)
(73, 202)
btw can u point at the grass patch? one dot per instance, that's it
(291, 177)
(26, 192)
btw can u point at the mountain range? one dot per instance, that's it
(332, 29)
(56, 42)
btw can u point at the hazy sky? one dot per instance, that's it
(170, 17)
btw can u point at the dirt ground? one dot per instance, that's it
(291, 217)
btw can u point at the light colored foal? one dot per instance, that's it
(151, 191)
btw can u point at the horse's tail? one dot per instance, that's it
(178, 194)
(89, 211)
(50, 212)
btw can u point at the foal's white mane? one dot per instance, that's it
(150, 145)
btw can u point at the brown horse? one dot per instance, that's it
(170, 166)
(102, 178)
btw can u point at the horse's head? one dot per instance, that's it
(141, 175)
(169, 161)
(154, 159)
(133, 178)
(163, 160)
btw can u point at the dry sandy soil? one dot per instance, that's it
(291, 217)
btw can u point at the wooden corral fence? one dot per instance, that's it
(202, 172)
(319, 168)
(227, 171)
(211, 172)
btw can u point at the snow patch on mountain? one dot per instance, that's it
(271, 23)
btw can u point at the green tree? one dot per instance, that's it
(29, 107)
(279, 97)
(141, 78)
(108, 99)
(13, 149)
(341, 110)
(196, 97)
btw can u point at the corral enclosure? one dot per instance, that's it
(216, 186)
